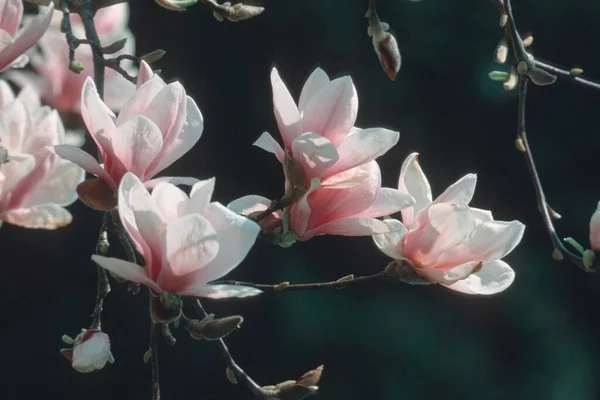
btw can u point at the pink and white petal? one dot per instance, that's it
(142, 220)
(451, 276)
(45, 216)
(595, 229)
(174, 180)
(17, 169)
(300, 212)
(494, 277)
(332, 110)
(220, 291)
(444, 226)
(285, 110)
(58, 186)
(143, 96)
(460, 191)
(144, 74)
(169, 198)
(135, 145)
(127, 270)
(387, 202)
(49, 130)
(249, 204)
(390, 243)
(6, 94)
(27, 36)
(414, 182)
(492, 240)
(84, 160)
(199, 199)
(30, 99)
(189, 243)
(482, 215)
(16, 124)
(315, 82)
(267, 143)
(98, 118)
(236, 235)
(314, 153)
(347, 179)
(362, 146)
(179, 142)
(348, 227)
(11, 13)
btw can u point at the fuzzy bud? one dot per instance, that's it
(213, 329)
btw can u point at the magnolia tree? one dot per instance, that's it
(70, 75)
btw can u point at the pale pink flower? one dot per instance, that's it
(14, 42)
(60, 87)
(90, 352)
(156, 126)
(35, 183)
(595, 229)
(186, 242)
(319, 133)
(448, 242)
(351, 211)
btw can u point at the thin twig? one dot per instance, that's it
(102, 285)
(240, 375)
(154, 360)
(521, 55)
(87, 17)
(285, 286)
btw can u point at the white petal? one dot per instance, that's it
(460, 192)
(314, 153)
(221, 291)
(267, 143)
(494, 277)
(414, 182)
(315, 82)
(126, 270)
(45, 216)
(391, 243)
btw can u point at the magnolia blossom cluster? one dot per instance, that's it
(332, 182)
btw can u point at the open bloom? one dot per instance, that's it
(351, 211)
(14, 42)
(60, 87)
(185, 242)
(35, 183)
(448, 242)
(91, 351)
(319, 134)
(156, 126)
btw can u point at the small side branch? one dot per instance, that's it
(154, 361)
(343, 282)
(240, 375)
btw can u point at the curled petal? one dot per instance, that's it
(494, 277)
(414, 182)
(390, 243)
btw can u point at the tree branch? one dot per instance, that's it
(240, 375)
(154, 361)
(348, 280)
(103, 287)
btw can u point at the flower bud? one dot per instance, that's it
(238, 12)
(76, 66)
(176, 5)
(501, 52)
(213, 329)
(385, 44)
(305, 386)
(114, 47)
(91, 351)
(165, 308)
(589, 259)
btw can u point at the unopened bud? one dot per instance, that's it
(520, 144)
(528, 41)
(153, 56)
(501, 52)
(511, 82)
(296, 390)
(67, 339)
(147, 356)
(557, 255)
(346, 278)
(213, 329)
(76, 66)
(589, 258)
(553, 213)
(522, 67)
(503, 20)
(231, 376)
(240, 11)
(576, 71)
(114, 47)
(282, 286)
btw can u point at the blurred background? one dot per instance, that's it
(537, 340)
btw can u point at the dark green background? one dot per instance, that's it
(537, 340)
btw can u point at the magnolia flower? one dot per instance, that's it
(186, 242)
(319, 133)
(351, 211)
(448, 242)
(156, 126)
(35, 183)
(91, 350)
(60, 87)
(15, 42)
